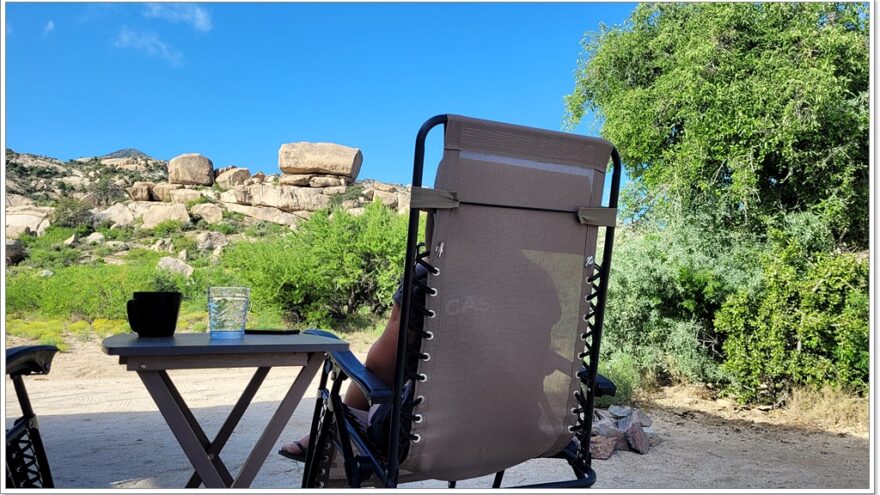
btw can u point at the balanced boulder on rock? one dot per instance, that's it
(192, 169)
(320, 158)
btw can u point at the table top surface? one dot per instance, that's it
(188, 344)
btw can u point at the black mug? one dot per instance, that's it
(154, 314)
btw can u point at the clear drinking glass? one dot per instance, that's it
(227, 311)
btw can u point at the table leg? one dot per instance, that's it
(229, 425)
(200, 433)
(182, 427)
(279, 420)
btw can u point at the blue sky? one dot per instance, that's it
(235, 81)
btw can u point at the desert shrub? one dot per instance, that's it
(806, 323)
(46, 332)
(168, 227)
(48, 250)
(226, 227)
(106, 327)
(117, 234)
(70, 212)
(185, 243)
(197, 201)
(333, 264)
(162, 281)
(623, 370)
(353, 192)
(263, 229)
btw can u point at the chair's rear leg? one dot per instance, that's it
(498, 477)
(318, 433)
(33, 433)
(450, 484)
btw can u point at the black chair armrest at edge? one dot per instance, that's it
(604, 386)
(29, 360)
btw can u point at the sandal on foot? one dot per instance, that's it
(301, 457)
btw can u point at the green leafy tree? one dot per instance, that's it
(751, 110)
(71, 212)
(106, 191)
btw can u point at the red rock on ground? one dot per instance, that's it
(637, 438)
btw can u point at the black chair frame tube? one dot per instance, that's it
(406, 303)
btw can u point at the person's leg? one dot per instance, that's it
(381, 360)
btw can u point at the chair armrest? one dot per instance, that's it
(604, 386)
(376, 391)
(30, 360)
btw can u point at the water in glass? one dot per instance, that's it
(227, 311)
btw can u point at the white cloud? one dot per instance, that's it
(148, 43)
(50, 26)
(195, 16)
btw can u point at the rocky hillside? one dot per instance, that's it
(127, 188)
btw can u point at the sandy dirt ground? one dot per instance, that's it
(102, 430)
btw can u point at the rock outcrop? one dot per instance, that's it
(141, 191)
(22, 219)
(231, 177)
(118, 215)
(208, 212)
(159, 213)
(184, 196)
(162, 192)
(94, 238)
(210, 240)
(191, 169)
(287, 198)
(174, 265)
(264, 214)
(14, 251)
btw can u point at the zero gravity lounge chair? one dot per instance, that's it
(498, 362)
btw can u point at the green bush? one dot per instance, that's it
(806, 323)
(48, 250)
(666, 285)
(623, 370)
(79, 291)
(168, 227)
(332, 265)
(264, 229)
(70, 212)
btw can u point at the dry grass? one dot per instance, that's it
(828, 409)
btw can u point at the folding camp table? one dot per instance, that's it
(152, 357)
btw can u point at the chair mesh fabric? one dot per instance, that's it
(511, 294)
